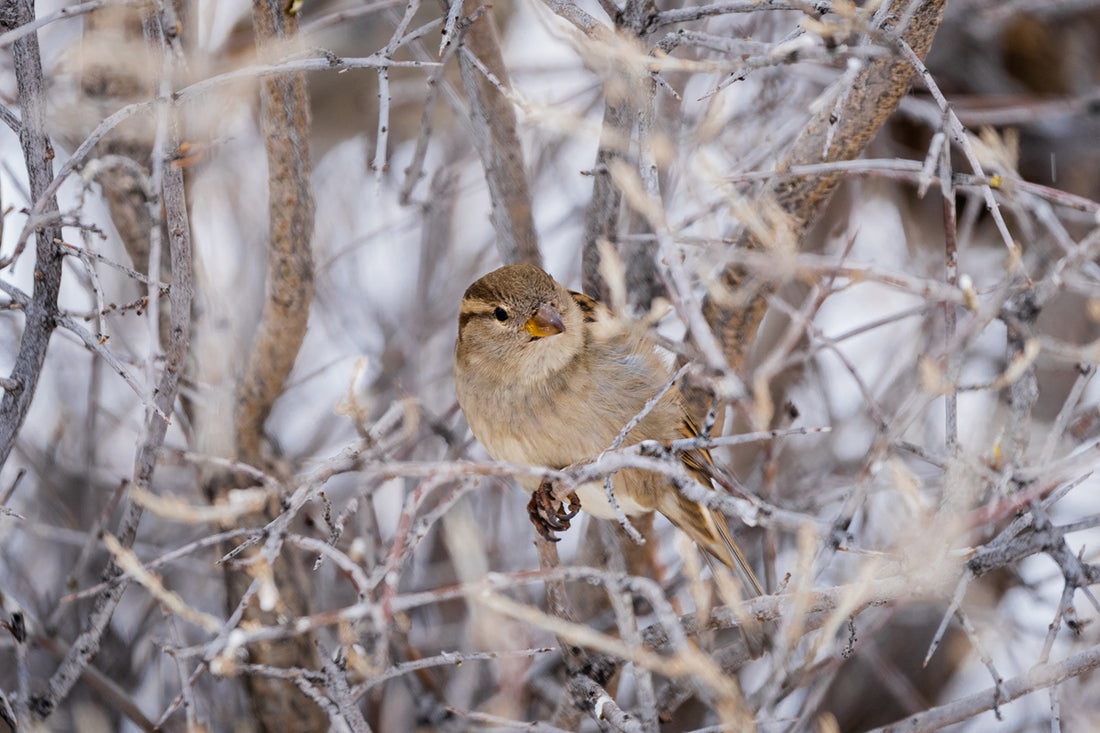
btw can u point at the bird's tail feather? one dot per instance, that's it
(710, 532)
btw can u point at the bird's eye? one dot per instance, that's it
(500, 314)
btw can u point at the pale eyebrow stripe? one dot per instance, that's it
(470, 309)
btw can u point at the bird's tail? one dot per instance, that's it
(709, 531)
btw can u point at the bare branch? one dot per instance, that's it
(496, 138)
(284, 102)
(1040, 677)
(38, 154)
(72, 11)
(835, 132)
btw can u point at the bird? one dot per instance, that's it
(548, 376)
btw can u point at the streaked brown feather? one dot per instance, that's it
(589, 305)
(697, 460)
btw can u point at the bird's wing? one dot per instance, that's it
(705, 527)
(696, 460)
(602, 324)
(589, 306)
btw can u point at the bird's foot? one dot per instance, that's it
(550, 514)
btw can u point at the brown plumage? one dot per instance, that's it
(547, 376)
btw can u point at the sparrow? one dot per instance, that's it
(548, 376)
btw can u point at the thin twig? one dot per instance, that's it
(1039, 677)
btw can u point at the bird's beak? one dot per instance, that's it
(545, 322)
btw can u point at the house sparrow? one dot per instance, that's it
(548, 376)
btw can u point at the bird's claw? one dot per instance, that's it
(550, 514)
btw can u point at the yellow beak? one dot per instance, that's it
(545, 322)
